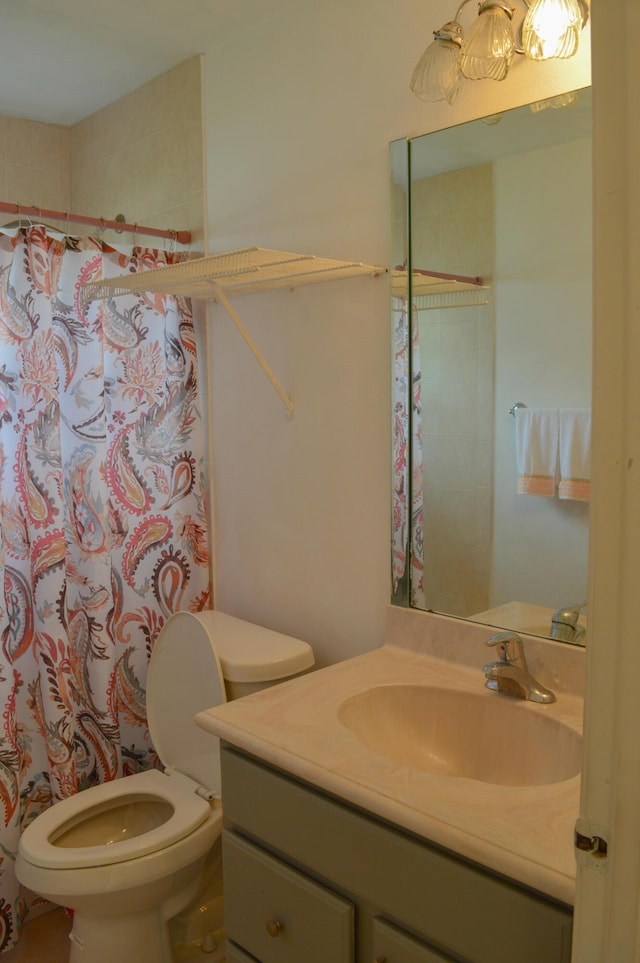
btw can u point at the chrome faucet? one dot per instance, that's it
(510, 672)
(564, 624)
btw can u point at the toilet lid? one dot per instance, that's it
(193, 655)
(184, 679)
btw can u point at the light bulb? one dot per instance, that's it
(488, 49)
(551, 29)
(437, 73)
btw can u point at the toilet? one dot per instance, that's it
(130, 855)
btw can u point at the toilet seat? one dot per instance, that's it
(155, 810)
(38, 843)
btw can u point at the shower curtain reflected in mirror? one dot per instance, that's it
(408, 496)
(103, 528)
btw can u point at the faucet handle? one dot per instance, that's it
(511, 647)
(568, 614)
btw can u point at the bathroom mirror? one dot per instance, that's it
(491, 287)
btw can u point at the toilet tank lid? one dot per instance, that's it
(253, 653)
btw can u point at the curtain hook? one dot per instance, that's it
(22, 215)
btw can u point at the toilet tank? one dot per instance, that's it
(251, 656)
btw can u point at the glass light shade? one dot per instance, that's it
(488, 49)
(551, 29)
(560, 100)
(437, 73)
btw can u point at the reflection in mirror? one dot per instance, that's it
(492, 287)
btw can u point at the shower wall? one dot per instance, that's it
(34, 164)
(453, 231)
(142, 155)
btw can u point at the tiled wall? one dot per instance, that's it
(34, 165)
(453, 231)
(141, 156)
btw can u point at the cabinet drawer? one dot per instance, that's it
(279, 915)
(391, 945)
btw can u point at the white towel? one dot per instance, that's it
(575, 453)
(537, 450)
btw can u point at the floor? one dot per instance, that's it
(46, 940)
(42, 940)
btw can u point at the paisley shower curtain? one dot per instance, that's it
(102, 520)
(407, 519)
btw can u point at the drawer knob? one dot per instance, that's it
(274, 928)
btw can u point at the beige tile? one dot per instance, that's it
(458, 405)
(458, 517)
(31, 143)
(3, 137)
(484, 511)
(87, 188)
(64, 149)
(95, 137)
(459, 348)
(454, 462)
(32, 186)
(172, 98)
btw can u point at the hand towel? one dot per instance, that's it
(537, 450)
(575, 453)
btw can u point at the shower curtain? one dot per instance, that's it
(102, 519)
(407, 520)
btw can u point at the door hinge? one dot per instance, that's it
(587, 841)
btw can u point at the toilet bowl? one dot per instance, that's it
(129, 855)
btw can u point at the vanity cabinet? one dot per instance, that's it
(309, 878)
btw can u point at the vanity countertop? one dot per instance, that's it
(525, 833)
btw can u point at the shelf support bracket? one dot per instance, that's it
(224, 300)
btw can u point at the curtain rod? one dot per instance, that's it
(182, 237)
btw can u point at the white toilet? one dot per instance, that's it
(129, 855)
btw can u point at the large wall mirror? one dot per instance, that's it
(492, 320)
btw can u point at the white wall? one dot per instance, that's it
(298, 116)
(543, 308)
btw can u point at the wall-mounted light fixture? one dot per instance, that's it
(550, 29)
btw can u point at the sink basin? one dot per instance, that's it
(446, 732)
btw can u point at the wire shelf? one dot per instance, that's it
(432, 290)
(247, 270)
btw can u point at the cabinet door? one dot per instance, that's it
(279, 915)
(392, 945)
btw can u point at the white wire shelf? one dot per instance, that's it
(248, 270)
(431, 290)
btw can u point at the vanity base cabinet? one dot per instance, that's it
(412, 902)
